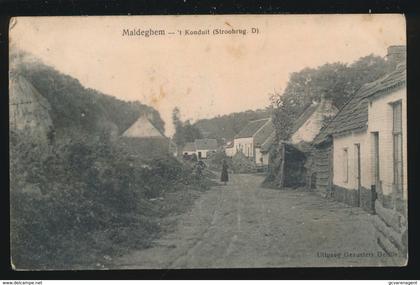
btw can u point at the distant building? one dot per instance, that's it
(189, 149)
(310, 122)
(254, 141)
(202, 148)
(229, 149)
(143, 128)
(145, 140)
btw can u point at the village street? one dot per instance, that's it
(244, 225)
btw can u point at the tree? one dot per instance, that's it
(179, 137)
(184, 131)
(336, 81)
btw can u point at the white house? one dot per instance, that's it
(368, 140)
(205, 147)
(251, 138)
(310, 122)
(202, 148)
(387, 131)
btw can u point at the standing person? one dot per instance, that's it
(224, 177)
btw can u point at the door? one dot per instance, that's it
(397, 150)
(375, 160)
(199, 154)
(358, 172)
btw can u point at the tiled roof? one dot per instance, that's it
(251, 128)
(354, 114)
(206, 144)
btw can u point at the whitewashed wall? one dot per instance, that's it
(380, 120)
(244, 144)
(230, 151)
(308, 131)
(349, 141)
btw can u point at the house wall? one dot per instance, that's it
(390, 220)
(321, 169)
(308, 131)
(261, 158)
(265, 157)
(145, 148)
(230, 151)
(380, 120)
(189, 152)
(246, 145)
(204, 152)
(345, 187)
(348, 142)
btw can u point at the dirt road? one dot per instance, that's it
(244, 225)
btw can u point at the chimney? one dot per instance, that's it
(396, 55)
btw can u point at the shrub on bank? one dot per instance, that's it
(79, 199)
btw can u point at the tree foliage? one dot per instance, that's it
(184, 131)
(336, 81)
(224, 128)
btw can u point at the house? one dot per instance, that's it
(387, 135)
(189, 149)
(360, 158)
(310, 122)
(251, 138)
(229, 149)
(294, 154)
(202, 148)
(144, 139)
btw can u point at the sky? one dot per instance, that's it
(203, 75)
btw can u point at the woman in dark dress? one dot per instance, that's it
(224, 177)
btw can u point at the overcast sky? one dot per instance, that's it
(204, 75)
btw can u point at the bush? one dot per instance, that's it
(76, 200)
(243, 164)
(216, 159)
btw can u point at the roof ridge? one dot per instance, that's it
(257, 131)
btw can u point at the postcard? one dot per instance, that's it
(208, 141)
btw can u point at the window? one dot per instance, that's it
(345, 165)
(397, 144)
